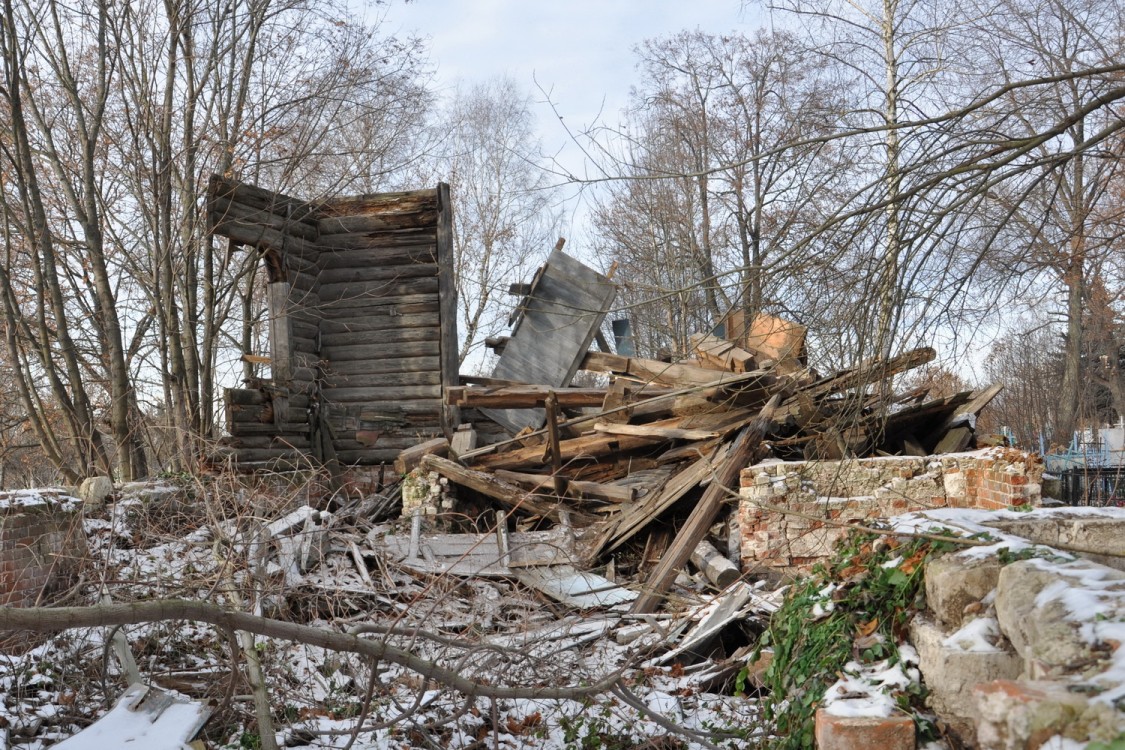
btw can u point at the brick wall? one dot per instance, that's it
(859, 490)
(42, 544)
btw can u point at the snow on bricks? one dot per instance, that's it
(792, 513)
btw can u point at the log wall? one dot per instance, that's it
(363, 321)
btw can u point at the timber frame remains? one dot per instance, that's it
(362, 324)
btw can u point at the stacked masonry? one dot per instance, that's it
(41, 544)
(790, 514)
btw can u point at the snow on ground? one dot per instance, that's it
(493, 630)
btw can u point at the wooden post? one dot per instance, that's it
(552, 407)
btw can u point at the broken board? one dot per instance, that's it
(558, 321)
(473, 555)
(143, 717)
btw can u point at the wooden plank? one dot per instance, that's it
(952, 437)
(695, 528)
(725, 355)
(385, 393)
(464, 440)
(528, 396)
(281, 334)
(558, 324)
(412, 456)
(641, 513)
(576, 488)
(644, 430)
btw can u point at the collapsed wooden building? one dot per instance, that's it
(363, 355)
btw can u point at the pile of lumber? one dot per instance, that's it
(662, 444)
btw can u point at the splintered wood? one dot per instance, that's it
(649, 461)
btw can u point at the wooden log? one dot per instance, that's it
(383, 380)
(695, 528)
(718, 569)
(447, 293)
(226, 213)
(265, 237)
(379, 289)
(411, 457)
(509, 495)
(404, 201)
(383, 319)
(367, 305)
(379, 241)
(389, 336)
(370, 366)
(220, 187)
(392, 394)
(407, 218)
(424, 253)
(291, 440)
(381, 351)
(381, 272)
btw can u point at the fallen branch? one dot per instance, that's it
(55, 619)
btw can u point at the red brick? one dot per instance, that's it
(863, 733)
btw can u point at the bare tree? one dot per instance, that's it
(505, 220)
(712, 200)
(157, 96)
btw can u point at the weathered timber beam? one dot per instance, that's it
(530, 396)
(509, 495)
(654, 431)
(413, 455)
(651, 370)
(699, 522)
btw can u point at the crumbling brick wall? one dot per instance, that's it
(785, 505)
(41, 545)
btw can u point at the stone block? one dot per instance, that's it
(863, 732)
(94, 491)
(1022, 715)
(954, 582)
(951, 673)
(1043, 631)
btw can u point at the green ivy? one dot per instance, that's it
(868, 599)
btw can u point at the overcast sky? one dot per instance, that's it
(580, 52)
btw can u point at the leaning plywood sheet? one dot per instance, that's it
(559, 319)
(143, 717)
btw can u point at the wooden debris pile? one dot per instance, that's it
(660, 447)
